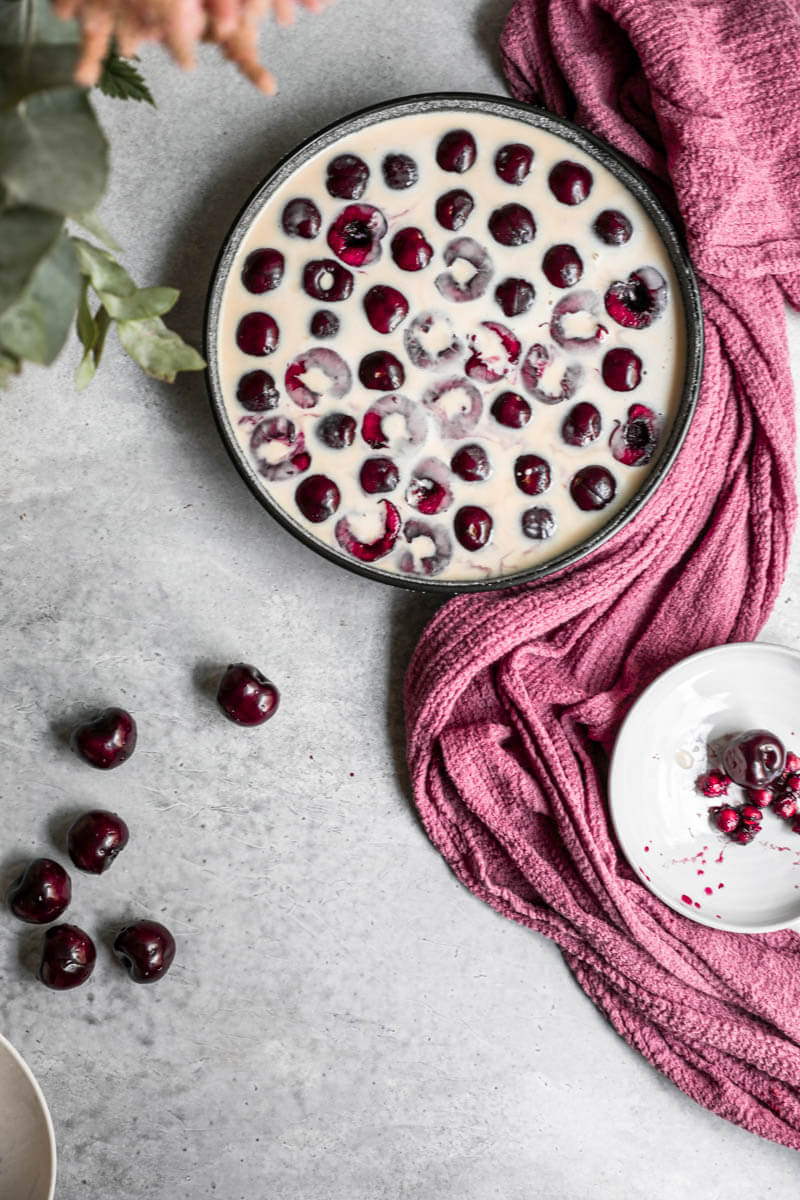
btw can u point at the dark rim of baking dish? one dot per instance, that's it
(462, 102)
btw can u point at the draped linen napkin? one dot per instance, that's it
(513, 699)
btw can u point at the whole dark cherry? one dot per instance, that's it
(581, 425)
(146, 949)
(613, 227)
(246, 696)
(411, 250)
(301, 218)
(472, 526)
(386, 308)
(754, 758)
(471, 463)
(454, 208)
(347, 177)
(263, 270)
(256, 391)
(107, 741)
(41, 893)
(511, 409)
(621, 369)
(456, 151)
(515, 296)
(324, 324)
(377, 475)
(592, 488)
(513, 162)
(381, 371)
(512, 225)
(317, 497)
(562, 265)
(257, 334)
(68, 957)
(337, 430)
(95, 840)
(570, 182)
(399, 171)
(538, 524)
(532, 474)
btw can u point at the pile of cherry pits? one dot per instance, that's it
(44, 890)
(756, 761)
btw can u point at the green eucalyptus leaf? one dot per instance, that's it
(159, 351)
(9, 365)
(36, 327)
(122, 81)
(38, 50)
(104, 272)
(86, 371)
(84, 321)
(93, 225)
(27, 235)
(94, 352)
(53, 153)
(145, 302)
(103, 323)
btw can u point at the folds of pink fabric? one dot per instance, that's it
(513, 699)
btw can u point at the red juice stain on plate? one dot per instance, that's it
(686, 899)
(708, 891)
(647, 849)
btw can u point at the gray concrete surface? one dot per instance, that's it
(344, 1021)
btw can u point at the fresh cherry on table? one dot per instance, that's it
(68, 957)
(106, 741)
(754, 758)
(95, 840)
(146, 949)
(246, 696)
(41, 893)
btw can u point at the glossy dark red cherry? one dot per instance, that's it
(454, 208)
(411, 250)
(386, 308)
(613, 227)
(263, 270)
(512, 225)
(581, 425)
(68, 957)
(106, 741)
(337, 430)
(41, 893)
(377, 475)
(301, 218)
(95, 840)
(471, 463)
(472, 526)
(562, 265)
(456, 151)
(381, 371)
(592, 488)
(146, 949)
(539, 524)
(621, 369)
(513, 162)
(532, 474)
(754, 758)
(355, 236)
(327, 280)
(246, 696)
(256, 391)
(324, 324)
(257, 334)
(347, 177)
(511, 409)
(399, 171)
(570, 182)
(317, 497)
(515, 296)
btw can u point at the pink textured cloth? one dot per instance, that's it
(514, 699)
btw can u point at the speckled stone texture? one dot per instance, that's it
(343, 1021)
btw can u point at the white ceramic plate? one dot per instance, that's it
(27, 1141)
(662, 820)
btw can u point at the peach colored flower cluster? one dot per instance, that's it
(180, 24)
